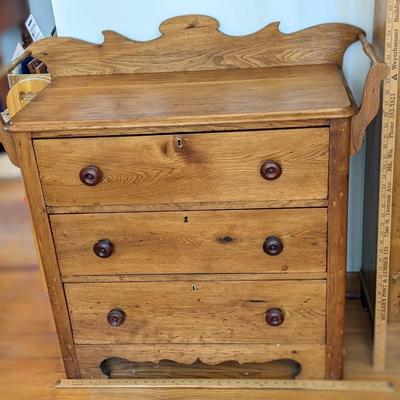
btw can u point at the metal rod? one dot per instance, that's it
(2, 120)
(368, 49)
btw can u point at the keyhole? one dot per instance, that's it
(185, 220)
(179, 142)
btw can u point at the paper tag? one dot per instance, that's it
(33, 28)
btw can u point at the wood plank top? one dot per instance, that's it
(179, 99)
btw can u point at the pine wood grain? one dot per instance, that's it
(8, 143)
(195, 277)
(17, 97)
(30, 362)
(191, 242)
(198, 312)
(193, 42)
(369, 106)
(118, 368)
(211, 205)
(203, 100)
(311, 357)
(245, 83)
(47, 253)
(23, 92)
(185, 168)
(220, 125)
(337, 244)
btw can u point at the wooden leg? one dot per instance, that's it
(47, 253)
(337, 245)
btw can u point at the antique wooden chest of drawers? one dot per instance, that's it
(189, 194)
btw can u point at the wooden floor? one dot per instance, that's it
(29, 356)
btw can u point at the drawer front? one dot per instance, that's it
(311, 357)
(198, 312)
(277, 165)
(191, 242)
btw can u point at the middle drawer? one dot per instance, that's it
(251, 241)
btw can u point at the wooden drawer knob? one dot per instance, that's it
(274, 317)
(273, 245)
(116, 317)
(90, 175)
(271, 170)
(103, 248)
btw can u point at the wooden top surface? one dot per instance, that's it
(196, 98)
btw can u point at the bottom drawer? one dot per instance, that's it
(267, 312)
(241, 361)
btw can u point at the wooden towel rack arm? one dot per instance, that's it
(371, 96)
(4, 71)
(5, 137)
(369, 49)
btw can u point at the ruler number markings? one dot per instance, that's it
(363, 386)
(390, 105)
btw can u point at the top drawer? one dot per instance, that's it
(177, 171)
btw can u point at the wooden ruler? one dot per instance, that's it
(389, 126)
(279, 384)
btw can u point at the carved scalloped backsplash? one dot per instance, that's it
(194, 43)
(119, 368)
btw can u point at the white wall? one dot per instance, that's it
(140, 20)
(8, 41)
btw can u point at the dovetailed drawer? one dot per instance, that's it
(198, 312)
(234, 169)
(252, 241)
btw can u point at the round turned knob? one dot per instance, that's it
(103, 248)
(273, 245)
(116, 317)
(271, 170)
(90, 175)
(274, 317)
